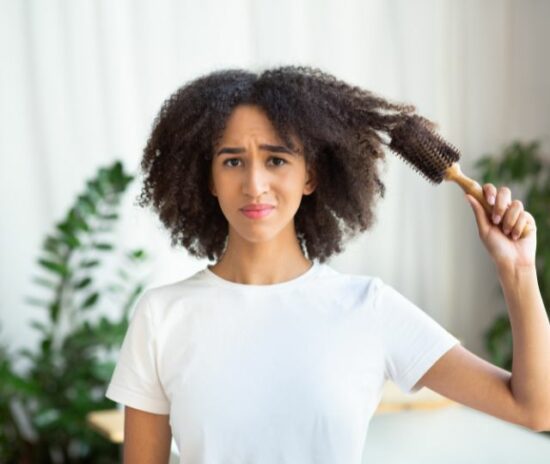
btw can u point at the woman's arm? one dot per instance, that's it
(530, 382)
(147, 437)
(522, 396)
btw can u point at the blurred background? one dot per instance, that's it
(80, 85)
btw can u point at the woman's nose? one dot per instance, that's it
(256, 180)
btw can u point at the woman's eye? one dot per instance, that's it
(228, 160)
(280, 161)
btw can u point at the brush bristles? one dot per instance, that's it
(415, 142)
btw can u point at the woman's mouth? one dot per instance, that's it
(258, 213)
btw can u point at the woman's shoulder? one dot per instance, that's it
(361, 288)
(350, 279)
(165, 295)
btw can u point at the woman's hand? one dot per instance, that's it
(499, 236)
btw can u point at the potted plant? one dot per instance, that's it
(44, 408)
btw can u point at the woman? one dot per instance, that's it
(270, 355)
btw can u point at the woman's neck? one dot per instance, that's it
(252, 270)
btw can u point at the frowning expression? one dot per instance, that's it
(251, 167)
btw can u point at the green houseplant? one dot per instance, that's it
(521, 167)
(43, 409)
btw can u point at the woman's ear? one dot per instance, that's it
(211, 185)
(311, 182)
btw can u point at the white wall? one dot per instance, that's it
(81, 82)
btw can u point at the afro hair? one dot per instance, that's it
(339, 126)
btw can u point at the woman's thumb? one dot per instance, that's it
(479, 212)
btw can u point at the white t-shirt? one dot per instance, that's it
(288, 373)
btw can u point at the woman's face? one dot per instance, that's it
(251, 165)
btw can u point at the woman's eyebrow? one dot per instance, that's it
(267, 147)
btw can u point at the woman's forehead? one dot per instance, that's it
(252, 121)
(248, 119)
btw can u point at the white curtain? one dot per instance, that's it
(81, 82)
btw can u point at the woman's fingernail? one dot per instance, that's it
(496, 218)
(491, 200)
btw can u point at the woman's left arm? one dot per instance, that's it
(515, 262)
(530, 381)
(523, 396)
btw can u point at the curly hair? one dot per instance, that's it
(338, 125)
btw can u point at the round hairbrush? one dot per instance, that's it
(415, 141)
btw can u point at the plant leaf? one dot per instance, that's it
(85, 282)
(90, 300)
(58, 268)
(103, 246)
(88, 263)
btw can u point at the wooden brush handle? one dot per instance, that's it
(470, 186)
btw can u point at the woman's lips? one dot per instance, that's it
(257, 214)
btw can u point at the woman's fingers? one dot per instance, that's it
(511, 217)
(508, 213)
(520, 225)
(502, 203)
(490, 192)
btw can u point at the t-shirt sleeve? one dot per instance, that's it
(412, 340)
(135, 381)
